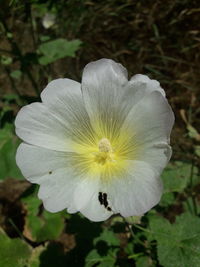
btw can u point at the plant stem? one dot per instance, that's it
(142, 228)
(16, 228)
(191, 185)
(129, 227)
(135, 237)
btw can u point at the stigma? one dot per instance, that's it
(105, 153)
(104, 145)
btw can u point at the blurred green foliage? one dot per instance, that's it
(8, 147)
(14, 252)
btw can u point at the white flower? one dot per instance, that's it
(48, 20)
(97, 147)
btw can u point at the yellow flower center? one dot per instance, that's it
(105, 154)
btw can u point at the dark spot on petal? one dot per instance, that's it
(103, 199)
(105, 196)
(100, 198)
(50, 172)
(105, 203)
(109, 209)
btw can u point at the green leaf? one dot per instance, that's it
(167, 199)
(5, 134)
(13, 252)
(10, 97)
(94, 258)
(8, 147)
(177, 176)
(105, 250)
(178, 244)
(192, 132)
(6, 60)
(109, 237)
(143, 261)
(4, 110)
(44, 38)
(56, 49)
(16, 74)
(53, 225)
(9, 35)
(46, 226)
(191, 205)
(197, 150)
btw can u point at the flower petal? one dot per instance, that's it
(53, 171)
(136, 191)
(35, 162)
(64, 98)
(102, 84)
(143, 80)
(57, 122)
(38, 125)
(150, 121)
(136, 89)
(94, 211)
(86, 200)
(157, 155)
(57, 192)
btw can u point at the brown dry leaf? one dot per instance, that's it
(27, 231)
(68, 241)
(11, 189)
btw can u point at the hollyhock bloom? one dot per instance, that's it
(97, 147)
